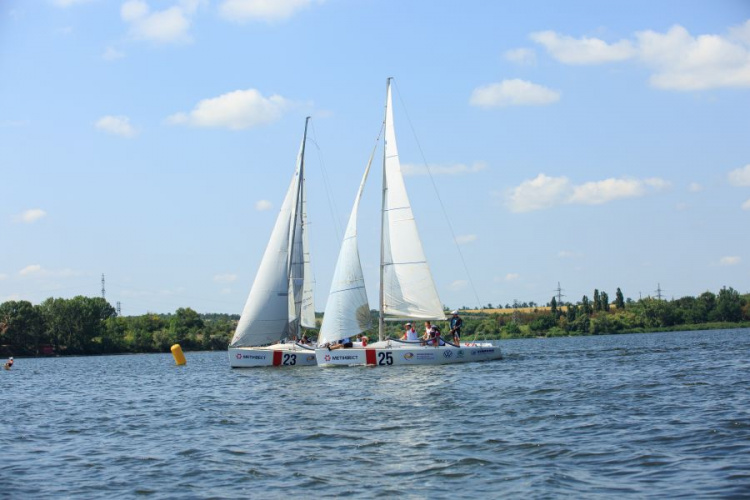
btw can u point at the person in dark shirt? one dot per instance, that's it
(456, 324)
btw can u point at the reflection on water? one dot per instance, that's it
(645, 415)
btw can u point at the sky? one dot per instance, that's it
(586, 143)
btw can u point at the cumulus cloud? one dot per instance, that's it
(112, 54)
(30, 216)
(236, 110)
(512, 276)
(452, 169)
(116, 125)
(521, 56)
(514, 92)
(263, 205)
(466, 238)
(746, 205)
(740, 176)
(38, 270)
(678, 60)
(225, 278)
(68, 3)
(583, 50)
(545, 192)
(30, 269)
(694, 187)
(458, 285)
(730, 261)
(242, 11)
(170, 25)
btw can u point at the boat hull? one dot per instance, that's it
(279, 355)
(414, 355)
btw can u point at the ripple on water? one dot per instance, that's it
(608, 416)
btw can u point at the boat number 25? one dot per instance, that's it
(289, 359)
(385, 358)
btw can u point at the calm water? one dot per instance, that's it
(649, 415)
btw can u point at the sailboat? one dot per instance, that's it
(280, 302)
(407, 288)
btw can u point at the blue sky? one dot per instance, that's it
(595, 144)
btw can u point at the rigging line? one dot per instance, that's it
(437, 193)
(327, 184)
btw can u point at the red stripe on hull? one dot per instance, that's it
(370, 356)
(276, 358)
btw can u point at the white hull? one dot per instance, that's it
(275, 355)
(383, 354)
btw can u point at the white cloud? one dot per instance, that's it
(263, 205)
(514, 92)
(30, 216)
(116, 125)
(746, 205)
(512, 276)
(546, 192)
(112, 54)
(30, 269)
(694, 187)
(165, 26)
(14, 123)
(539, 193)
(521, 56)
(683, 62)
(236, 110)
(730, 261)
(453, 169)
(466, 238)
(38, 270)
(261, 10)
(740, 176)
(677, 59)
(583, 50)
(68, 3)
(458, 285)
(225, 278)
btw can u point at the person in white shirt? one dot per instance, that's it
(410, 334)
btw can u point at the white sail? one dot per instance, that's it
(408, 288)
(308, 302)
(267, 316)
(347, 310)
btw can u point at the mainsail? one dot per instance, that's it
(408, 290)
(272, 310)
(347, 310)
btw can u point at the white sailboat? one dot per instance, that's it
(407, 289)
(280, 302)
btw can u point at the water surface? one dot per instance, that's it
(648, 415)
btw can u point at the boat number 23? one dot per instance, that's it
(289, 359)
(385, 358)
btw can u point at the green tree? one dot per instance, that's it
(728, 305)
(619, 299)
(597, 301)
(21, 326)
(604, 299)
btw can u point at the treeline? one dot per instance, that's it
(90, 325)
(599, 315)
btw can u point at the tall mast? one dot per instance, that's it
(297, 215)
(381, 318)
